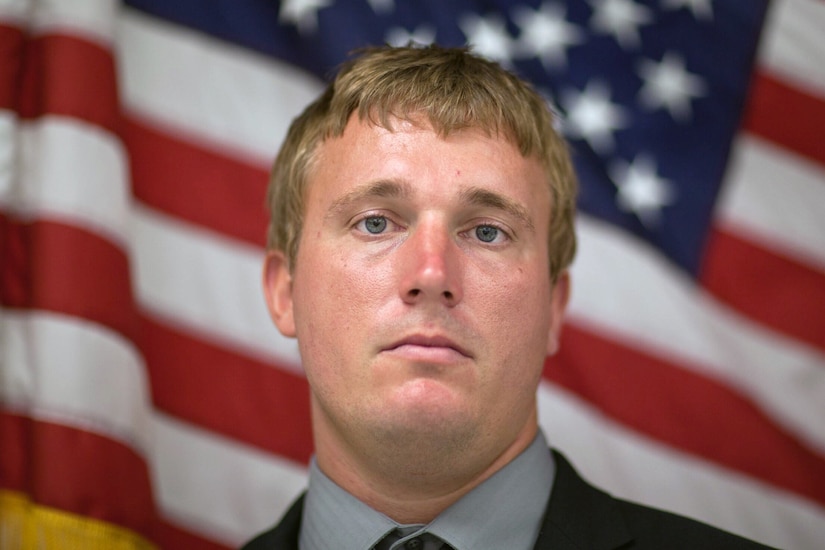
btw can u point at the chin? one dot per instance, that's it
(427, 398)
(426, 421)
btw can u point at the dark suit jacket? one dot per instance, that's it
(579, 516)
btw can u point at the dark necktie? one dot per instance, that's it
(425, 541)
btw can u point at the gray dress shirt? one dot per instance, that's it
(505, 511)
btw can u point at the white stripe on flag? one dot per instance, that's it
(66, 370)
(651, 305)
(73, 373)
(9, 155)
(94, 20)
(773, 195)
(73, 172)
(203, 88)
(792, 43)
(218, 488)
(208, 283)
(15, 12)
(643, 470)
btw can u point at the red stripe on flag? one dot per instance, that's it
(172, 536)
(66, 75)
(786, 116)
(15, 440)
(197, 185)
(77, 471)
(61, 268)
(240, 397)
(778, 292)
(12, 41)
(685, 410)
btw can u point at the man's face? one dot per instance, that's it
(420, 295)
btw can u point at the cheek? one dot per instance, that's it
(515, 314)
(336, 298)
(514, 294)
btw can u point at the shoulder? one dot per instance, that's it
(580, 515)
(653, 528)
(284, 535)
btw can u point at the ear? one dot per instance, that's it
(277, 281)
(558, 304)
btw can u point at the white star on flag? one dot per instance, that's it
(488, 37)
(382, 6)
(423, 34)
(668, 84)
(622, 19)
(302, 13)
(546, 34)
(591, 116)
(640, 189)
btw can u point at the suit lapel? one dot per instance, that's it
(580, 516)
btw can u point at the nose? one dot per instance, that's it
(430, 266)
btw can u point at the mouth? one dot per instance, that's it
(429, 348)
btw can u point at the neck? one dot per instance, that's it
(413, 482)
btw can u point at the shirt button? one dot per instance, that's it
(413, 544)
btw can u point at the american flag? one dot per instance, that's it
(146, 399)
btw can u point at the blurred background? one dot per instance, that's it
(147, 401)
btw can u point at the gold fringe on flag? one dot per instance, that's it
(27, 525)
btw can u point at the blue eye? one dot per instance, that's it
(487, 233)
(375, 224)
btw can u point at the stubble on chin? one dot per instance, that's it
(420, 445)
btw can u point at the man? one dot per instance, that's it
(422, 227)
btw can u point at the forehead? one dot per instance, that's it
(411, 152)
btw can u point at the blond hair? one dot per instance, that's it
(453, 89)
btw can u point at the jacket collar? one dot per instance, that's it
(580, 515)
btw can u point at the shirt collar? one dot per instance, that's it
(505, 511)
(332, 514)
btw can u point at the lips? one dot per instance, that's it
(424, 345)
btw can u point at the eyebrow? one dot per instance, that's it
(474, 196)
(484, 197)
(381, 188)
